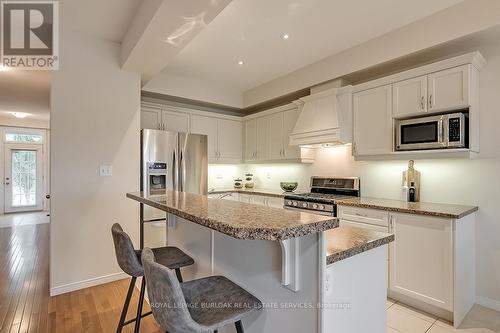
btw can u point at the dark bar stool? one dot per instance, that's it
(129, 260)
(169, 300)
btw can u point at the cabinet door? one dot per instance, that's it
(207, 126)
(173, 121)
(409, 97)
(263, 136)
(250, 139)
(276, 136)
(449, 89)
(373, 121)
(150, 118)
(229, 140)
(275, 202)
(289, 120)
(421, 259)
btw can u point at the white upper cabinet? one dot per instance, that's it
(276, 136)
(224, 138)
(289, 120)
(268, 135)
(160, 119)
(175, 121)
(207, 126)
(449, 89)
(229, 140)
(263, 138)
(150, 118)
(409, 97)
(437, 92)
(421, 259)
(372, 121)
(251, 140)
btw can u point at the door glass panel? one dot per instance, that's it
(23, 178)
(23, 137)
(419, 133)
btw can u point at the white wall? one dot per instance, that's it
(24, 122)
(459, 181)
(222, 176)
(94, 120)
(192, 88)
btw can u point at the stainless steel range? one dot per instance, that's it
(324, 194)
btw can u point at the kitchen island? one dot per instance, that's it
(311, 275)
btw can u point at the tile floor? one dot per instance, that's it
(403, 319)
(18, 219)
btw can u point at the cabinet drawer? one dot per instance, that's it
(363, 215)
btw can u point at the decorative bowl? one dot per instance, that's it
(289, 186)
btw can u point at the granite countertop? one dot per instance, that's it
(257, 191)
(347, 241)
(238, 219)
(422, 208)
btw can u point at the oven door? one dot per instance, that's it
(310, 211)
(421, 133)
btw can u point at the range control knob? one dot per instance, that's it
(304, 204)
(321, 207)
(289, 202)
(315, 206)
(294, 203)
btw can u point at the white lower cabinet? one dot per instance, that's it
(431, 261)
(421, 259)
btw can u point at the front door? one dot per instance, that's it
(23, 178)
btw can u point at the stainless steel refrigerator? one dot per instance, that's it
(170, 161)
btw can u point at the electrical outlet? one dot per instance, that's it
(105, 171)
(220, 176)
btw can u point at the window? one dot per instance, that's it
(23, 137)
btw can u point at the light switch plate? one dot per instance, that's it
(105, 171)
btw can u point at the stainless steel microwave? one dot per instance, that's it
(436, 132)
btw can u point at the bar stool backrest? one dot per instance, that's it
(127, 257)
(166, 298)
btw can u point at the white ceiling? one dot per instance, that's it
(108, 19)
(252, 30)
(27, 92)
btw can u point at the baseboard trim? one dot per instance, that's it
(488, 303)
(87, 283)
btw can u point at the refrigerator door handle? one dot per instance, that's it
(174, 172)
(181, 171)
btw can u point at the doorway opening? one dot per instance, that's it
(25, 169)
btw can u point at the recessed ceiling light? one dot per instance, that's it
(285, 36)
(240, 62)
(19, 114)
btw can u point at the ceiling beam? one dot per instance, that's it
(160, 29)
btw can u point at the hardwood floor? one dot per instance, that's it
(25, 305)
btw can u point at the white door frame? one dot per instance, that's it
(9, 147)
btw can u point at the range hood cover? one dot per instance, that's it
(325, 119)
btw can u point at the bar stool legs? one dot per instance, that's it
(239, 327)
(139, 308)
(178, 274)
(130, 291)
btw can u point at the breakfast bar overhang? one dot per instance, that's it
(330, 274)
